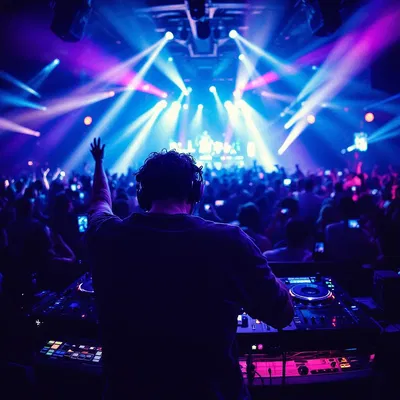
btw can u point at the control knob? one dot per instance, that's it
(303, 370)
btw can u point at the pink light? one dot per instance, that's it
(30, 163)
(164, 95)
(11, 126)
(87, 120)
(146, 88)
(266, 79)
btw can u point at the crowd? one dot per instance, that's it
(327, 215)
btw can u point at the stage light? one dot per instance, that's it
(169, 35)
(56, 61)
(163, 103)
(146, 88)
(170, 59)
(30, 163)
(228, 104)
(189, 89)
(212, 89)
(241, 57)
(369, 117)
(200, 106)
(233, 34)
(111, 93)
(237, 93)
(314, 67)
(164, 95)
(282, 114)
(185, 106)
(87, 120)
(311, 119)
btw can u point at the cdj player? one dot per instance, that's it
(325, 317)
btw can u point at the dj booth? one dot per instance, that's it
(333, 340)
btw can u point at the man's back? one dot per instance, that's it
(169, 289)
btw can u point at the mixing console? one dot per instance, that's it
(324, 316)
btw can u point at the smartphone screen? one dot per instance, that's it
(219, 203)
(353, 223)
(207, 207)
(82, 223)
(284, 211)
(287, 182)
(319, 247)
(327, 172)
(73, 187)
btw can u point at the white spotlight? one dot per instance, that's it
(233, 34)
(185, 106)
(189, 89)
(213, 89)
(56, 61)
(228, 104)
(241, 57)
(200, 106)
(169, 35)
(163, 103)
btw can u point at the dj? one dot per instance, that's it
(170, 285)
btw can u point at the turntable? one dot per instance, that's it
(86, 286)
(311, 294)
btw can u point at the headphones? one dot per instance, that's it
(145, 202)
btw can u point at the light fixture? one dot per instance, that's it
(169, 35)
(212, 89)
(233, 34)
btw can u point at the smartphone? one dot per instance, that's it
(207, 207)
(82, 223)
(284, 211)
(287, 182)
(353, 223)
(81, 195)
(319, 247)
(219, 203)
(374, 192)
(327, 172)
(73, 187)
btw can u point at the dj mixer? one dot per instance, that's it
(325, 317)
(330, 337)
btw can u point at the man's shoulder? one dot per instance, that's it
(217, 227)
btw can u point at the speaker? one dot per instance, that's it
(385, 71)
(70, 19)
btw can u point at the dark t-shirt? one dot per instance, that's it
(169, 289)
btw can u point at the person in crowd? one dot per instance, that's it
(175, 269)
(309, 203)
(297, 234)
(346, 240)
(250, 221)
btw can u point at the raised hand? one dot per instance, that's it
(97, 150)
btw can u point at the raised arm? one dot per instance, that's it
(101, 198)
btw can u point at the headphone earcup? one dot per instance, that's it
(197, 192)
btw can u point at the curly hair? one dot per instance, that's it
(169, 175)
